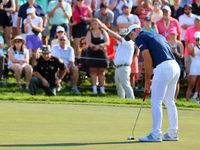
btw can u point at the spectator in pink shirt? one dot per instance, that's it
(91, 3)
(189, 39)
(166, 23)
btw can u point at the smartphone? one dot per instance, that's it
(173, 46)
(29, 18)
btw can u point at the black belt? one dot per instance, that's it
(122, 65)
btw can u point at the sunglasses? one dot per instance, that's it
(156, 4)
(17, 41)
(62, 39)
(79, 0)
(83, 43)
(60, 32)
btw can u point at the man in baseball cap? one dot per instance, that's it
(131, 28)
(160, 61)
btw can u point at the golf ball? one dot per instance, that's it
(129, 138)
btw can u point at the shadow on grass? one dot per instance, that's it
(66, 144)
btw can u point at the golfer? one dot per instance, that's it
(122, 61)
(160, 61)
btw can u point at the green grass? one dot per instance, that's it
(11, 92)
(64, 126)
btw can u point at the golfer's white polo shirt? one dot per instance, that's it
(124, 52)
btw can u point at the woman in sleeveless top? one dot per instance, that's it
(81, 15)
(6, 7)
(18, 60)
(97, 40)
(178, 51)
(194, 50)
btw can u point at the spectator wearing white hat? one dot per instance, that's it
(189, 39)
(194, 50)
(166, 23)
(33, 28)
(59, 32)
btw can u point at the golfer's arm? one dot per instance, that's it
(115, 35)
(148, 64)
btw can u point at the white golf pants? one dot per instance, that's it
(164, 83)
(122, 81)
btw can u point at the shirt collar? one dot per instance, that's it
(64, 48)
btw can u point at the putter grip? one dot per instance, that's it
(145, 95)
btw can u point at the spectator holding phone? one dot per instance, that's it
(156, 14)
(33, 27)
(82, 14)
(59, 13)
(194, 50)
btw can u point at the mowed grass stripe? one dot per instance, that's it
(85, 127)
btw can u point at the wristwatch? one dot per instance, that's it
(60, 78)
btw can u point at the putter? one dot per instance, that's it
(132, 138)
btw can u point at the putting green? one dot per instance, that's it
(87, 127)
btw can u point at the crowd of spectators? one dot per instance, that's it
(73, 26)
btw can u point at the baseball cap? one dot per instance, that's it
(173, 30)
(197, 17)
(166, 8)
(30, 10)
(46, 49)
(188, 5)
(60, 28)
(197, 34)
(123, 32)
(130, 28)
(126, 5)
(147, 19)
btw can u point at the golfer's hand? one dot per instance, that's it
(148, 85)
